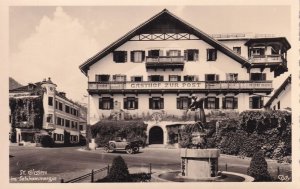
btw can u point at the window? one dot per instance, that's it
(237, 50)
(67, 123)
(211, 77)
(155, 78)
(258, 51)
(137, 78)
(211, 54)
(60, 121)
(231, 76)
(258, 76)
(230, 103)
(211, 103)
(106, 103)
(102, 78)
(156, 103)
(67, 109)
(80, 127)
(174, 77)
(58, 137)
(191, 54)
(120, 56)
(137, 56)
(119, 77)
(256, 102)
(131, 103)
(190, 78)
(50, 118)
(50, 101)
(278, 105)
(56, 104)
(173, 53)
(183, 103)
(155, 53)
(60, 106)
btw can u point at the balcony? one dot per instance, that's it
(180, 86)
(267, 59)
(164, 62)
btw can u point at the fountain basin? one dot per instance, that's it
(175, 176)
(199, 163)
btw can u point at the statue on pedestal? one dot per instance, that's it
(197, 105)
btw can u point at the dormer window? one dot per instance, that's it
(120, 56)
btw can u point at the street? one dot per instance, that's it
(71, 162)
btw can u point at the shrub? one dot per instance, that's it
(46, 141)
(259, 168)
(106, 130)
(119, 171)
(140, 177)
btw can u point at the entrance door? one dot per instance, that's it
(156, 135)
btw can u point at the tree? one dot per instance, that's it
(119, 171)
(259, 167)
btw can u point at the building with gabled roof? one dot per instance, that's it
(281, 98)
(51, 113)
(153, 70)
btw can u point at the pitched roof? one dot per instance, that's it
(281, 88)
(147, 24)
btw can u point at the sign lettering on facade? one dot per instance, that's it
(167, 85)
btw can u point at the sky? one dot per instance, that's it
(49, 41)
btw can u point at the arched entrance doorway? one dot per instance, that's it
(156, 135)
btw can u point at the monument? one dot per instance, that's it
(197, 161)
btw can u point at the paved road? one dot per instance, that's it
(70, 162)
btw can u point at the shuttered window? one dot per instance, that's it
(156, 103)
(211, 103)
(137, 56)
(191, 55)
(256, 102)
(106, 103)
(211, 54)
(130, 103)
(183, 103)
(120, 56)
(229, 103)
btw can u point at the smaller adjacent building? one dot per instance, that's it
(281, 98)
(38, 108)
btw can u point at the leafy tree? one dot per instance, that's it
(119, 171)
(259, 168)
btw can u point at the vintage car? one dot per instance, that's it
(118, 144)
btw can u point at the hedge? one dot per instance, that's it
(248, 133)
(106, 130)
(255, 130)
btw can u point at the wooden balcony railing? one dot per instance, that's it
(276, 59)
(180, 85)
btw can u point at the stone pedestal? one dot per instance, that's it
(199, 163)
(93, 145)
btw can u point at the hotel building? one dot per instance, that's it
(154, 69)
(61, 118)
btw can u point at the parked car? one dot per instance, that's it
(118, 144)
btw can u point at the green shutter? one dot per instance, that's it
(125, 103)
(150, 104)
(261, 102)
(161, 103)
(235, 103)
(223, 103)
(206, 103)
(216, 53)
(178, 103)
(111, 103)
(185, 54)
(250, 102)
(143, 56)
(264, 76)
(217, 77)
(196, 55)
(217, 103)
(179, 78)
(125, 56)
(100, 103)
(132, 56)
(136, 100)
